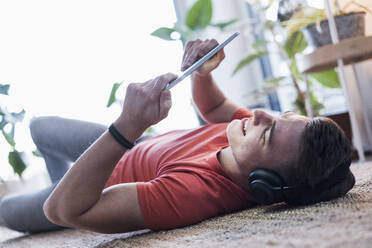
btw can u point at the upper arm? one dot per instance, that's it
(222, 113)
(116, 211)
(178, 199)
(169, 201)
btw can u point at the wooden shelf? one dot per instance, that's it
(352, 50)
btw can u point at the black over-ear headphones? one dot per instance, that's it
(268, 187)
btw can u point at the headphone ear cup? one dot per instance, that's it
(261, 192)
(269, 176)
(266, 186)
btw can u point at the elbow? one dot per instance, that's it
(52, 214)
(213, 115)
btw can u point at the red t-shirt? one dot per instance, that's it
(179, 178)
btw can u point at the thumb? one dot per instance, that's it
(165, 103)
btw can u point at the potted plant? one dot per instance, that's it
(297, 22)
(287, 44)
(314, 23)
(294, 20)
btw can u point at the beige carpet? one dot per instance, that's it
(346, 222)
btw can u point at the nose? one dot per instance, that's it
(261, 117)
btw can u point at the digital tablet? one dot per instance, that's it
(201, 61)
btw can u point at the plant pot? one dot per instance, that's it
(348, 26)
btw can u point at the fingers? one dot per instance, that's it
(160, 82)
(196, 49)
(185, 54)
(165, 104)
(147, 103)
(207, 46)
(190, 54)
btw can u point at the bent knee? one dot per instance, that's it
(41, 128)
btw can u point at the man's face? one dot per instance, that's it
(264, 141)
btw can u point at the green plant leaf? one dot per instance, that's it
(37, 153)
(248, 59)
(269, 24)
(149, 130)
(274, 80)
(294, 70)
(164, 33)
(302, 18)
(3, 123)
(112, 98)
(4, 88)
(185, 32)
(8, 137)
(315, 104)
(295, 43)
(223, 25)
(16, 117)
(328, 78)
(260, 44)
(200, 15)
(271, 84)
(16, 161)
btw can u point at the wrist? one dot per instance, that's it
(130, 131)
(201, 76)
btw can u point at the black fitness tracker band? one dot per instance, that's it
(120, 138)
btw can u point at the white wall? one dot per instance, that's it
(62, 58)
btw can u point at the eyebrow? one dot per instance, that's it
(272, 131)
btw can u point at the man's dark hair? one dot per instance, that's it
(323, 147)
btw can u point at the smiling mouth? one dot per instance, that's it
(244, 121)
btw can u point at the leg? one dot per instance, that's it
(24, 213)
(61, 141)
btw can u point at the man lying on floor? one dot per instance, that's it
(181, 177)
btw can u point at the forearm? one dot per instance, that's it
(206, 94)
(81, 187)
(79, 200)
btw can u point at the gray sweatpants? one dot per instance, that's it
(61, 141)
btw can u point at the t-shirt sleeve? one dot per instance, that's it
(179, 199)
(241, 113)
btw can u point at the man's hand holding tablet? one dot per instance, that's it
(201, 56)
(196, 49)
